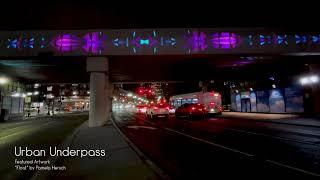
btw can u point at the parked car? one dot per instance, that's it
(191, 111)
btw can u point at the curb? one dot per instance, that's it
(294, 124)
(141, 155)
(42, 174)
(275, 122)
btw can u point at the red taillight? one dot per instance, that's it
(193, 108)
(212, 103)
(168, 108)
(155, 108)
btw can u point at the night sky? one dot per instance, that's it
(147, 14)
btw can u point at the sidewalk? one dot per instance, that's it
(291, 119)
(120, 162)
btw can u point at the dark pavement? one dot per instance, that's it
(225, 147)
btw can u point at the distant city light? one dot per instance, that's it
(36, 85)
(74, 93)
(23, 95)
(237, 91)
(308, 80)
(129, 94)
(50, 96)
(36, 93)
(16, 95)
(250, 89)
(274, 86)
(29, 93)
(88, 92)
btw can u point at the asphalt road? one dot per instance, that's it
(224, 147)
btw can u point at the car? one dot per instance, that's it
(192, 110)
(141, 109)
(159, 110)
(214, 109)
(172, 110)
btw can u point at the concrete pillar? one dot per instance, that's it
(109, 97)
(99, 81)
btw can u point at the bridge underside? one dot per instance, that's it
(153, 68)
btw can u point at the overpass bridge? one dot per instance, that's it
(181, 41)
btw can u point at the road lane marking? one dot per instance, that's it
(211, 143)
(16, 133)
(270, 136)
(143, 127)
(293, 168)
(243, 153)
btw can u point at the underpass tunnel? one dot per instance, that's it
(241, 85)
(229, 74)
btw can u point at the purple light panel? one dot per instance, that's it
(94, 42)
(224, 40)
(66, 42)
(197, 41)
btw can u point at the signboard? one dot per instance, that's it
(276, 101)
(233, 102)
(245, 94)
(262, 101)
(238, 102)
(253, 101)
(294, 100)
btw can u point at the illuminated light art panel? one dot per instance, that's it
(165, 41)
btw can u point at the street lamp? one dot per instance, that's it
(309, 80)
(3, 80)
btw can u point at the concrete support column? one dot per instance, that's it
(109, 97)
(99, 81)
